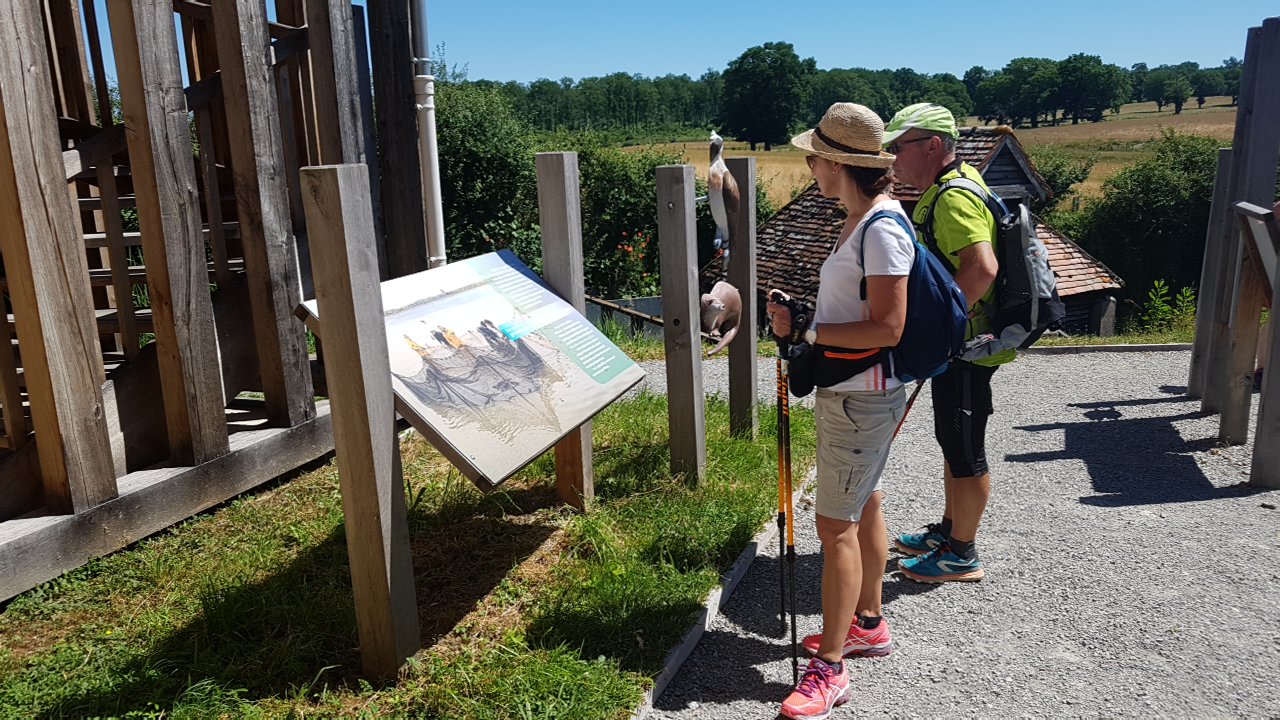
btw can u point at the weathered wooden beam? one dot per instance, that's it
(404, 221)
(39, 549)
(1265, 469)
(560, 217)
(204, 12)
(93, 151)
(1246, 313)
(163, 170)
(334, 81)
(349, 303)
(71, 72)
(1255, 146)
(679, 265)
(365, 86)
(262, 200)
(48, 277)
(1216, 237)
(743, 363)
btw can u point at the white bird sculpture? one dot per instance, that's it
(722, 191)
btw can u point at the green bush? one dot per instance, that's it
(1150, 223)
(1161, 314)
(1061, 170)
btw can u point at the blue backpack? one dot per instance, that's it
(937, 314)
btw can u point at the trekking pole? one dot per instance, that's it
(786, 511)
(911, 401)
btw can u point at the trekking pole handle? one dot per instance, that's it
(799, 321)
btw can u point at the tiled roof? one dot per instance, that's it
(1077, 271)
(791, 245)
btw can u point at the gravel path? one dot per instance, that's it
(1128, 571)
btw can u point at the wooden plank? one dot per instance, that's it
(164, 182)
(404, 219)
(365, 86)
(1216, 236)
(15, 417)
(90, 152)
(204, 12)
(212, 197)
(1265, 468)
(1246, 314)
(48, 286)
(743, 363)
(350, 305)
(679, 263)
(303, 102)
(560, 217)
(117, 260)
(72, 68)
(334, 81)
(106, 117)
(262, 198)
(38, 549)
(1255, 147)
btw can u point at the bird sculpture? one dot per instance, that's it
(722, 192)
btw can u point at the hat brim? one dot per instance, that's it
(889, 137)
(811, 143)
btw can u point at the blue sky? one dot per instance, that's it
(506, 40)
(524, 40)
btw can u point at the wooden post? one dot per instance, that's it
(743, 363)
(365, 85)
(1216, 238)
(1254, 149)
(48, 277)
(560, 215)
(1265, 470)
(262, 197)
(680, 326)
(404, 221)
(155, 116)
(349, 302)
(1246, 313)
(333, 79)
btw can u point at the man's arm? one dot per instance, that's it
(976, 272)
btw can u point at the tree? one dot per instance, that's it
(1138, 82)
(1177, 91)
(826, 87)
(1088, 87)
(973, 77)
(1208, 82)
(1232, 69)
(764, 93)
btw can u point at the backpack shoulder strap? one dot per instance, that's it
(862, 242)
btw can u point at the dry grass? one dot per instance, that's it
(782, 170)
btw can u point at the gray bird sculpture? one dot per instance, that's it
(722, 191)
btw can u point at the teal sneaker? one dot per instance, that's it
(941, 565)
(919, 543)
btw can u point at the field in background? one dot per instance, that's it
(1117, 141)
(782, 170)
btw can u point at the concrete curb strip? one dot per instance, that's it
(1074, 349)
(715, 603)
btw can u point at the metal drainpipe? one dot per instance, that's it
(429, 157)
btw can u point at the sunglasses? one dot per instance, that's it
(896, 146)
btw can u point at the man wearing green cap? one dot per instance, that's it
(961, 229)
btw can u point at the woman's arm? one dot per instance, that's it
(887, 299)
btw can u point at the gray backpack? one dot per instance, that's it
(1026, 301)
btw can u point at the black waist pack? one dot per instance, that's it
(812, 365)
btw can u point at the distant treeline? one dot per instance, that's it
(771, 80)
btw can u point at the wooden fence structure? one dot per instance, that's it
(1240, 273)
(156, 370)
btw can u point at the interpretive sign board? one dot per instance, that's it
(490, 365)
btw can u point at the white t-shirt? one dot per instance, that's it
(890, 251)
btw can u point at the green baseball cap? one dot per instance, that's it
(929, 117)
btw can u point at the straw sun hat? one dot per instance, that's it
(848, 133)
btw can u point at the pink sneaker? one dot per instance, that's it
(821, 688)
(860, 641)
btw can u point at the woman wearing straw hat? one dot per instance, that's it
(856, 417)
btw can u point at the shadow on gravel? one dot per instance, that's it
(736, 679)
(1133, 460)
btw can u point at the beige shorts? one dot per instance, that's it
(855, 430)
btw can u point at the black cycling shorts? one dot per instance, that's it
(961, 406)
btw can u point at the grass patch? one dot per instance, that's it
(527, 610)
